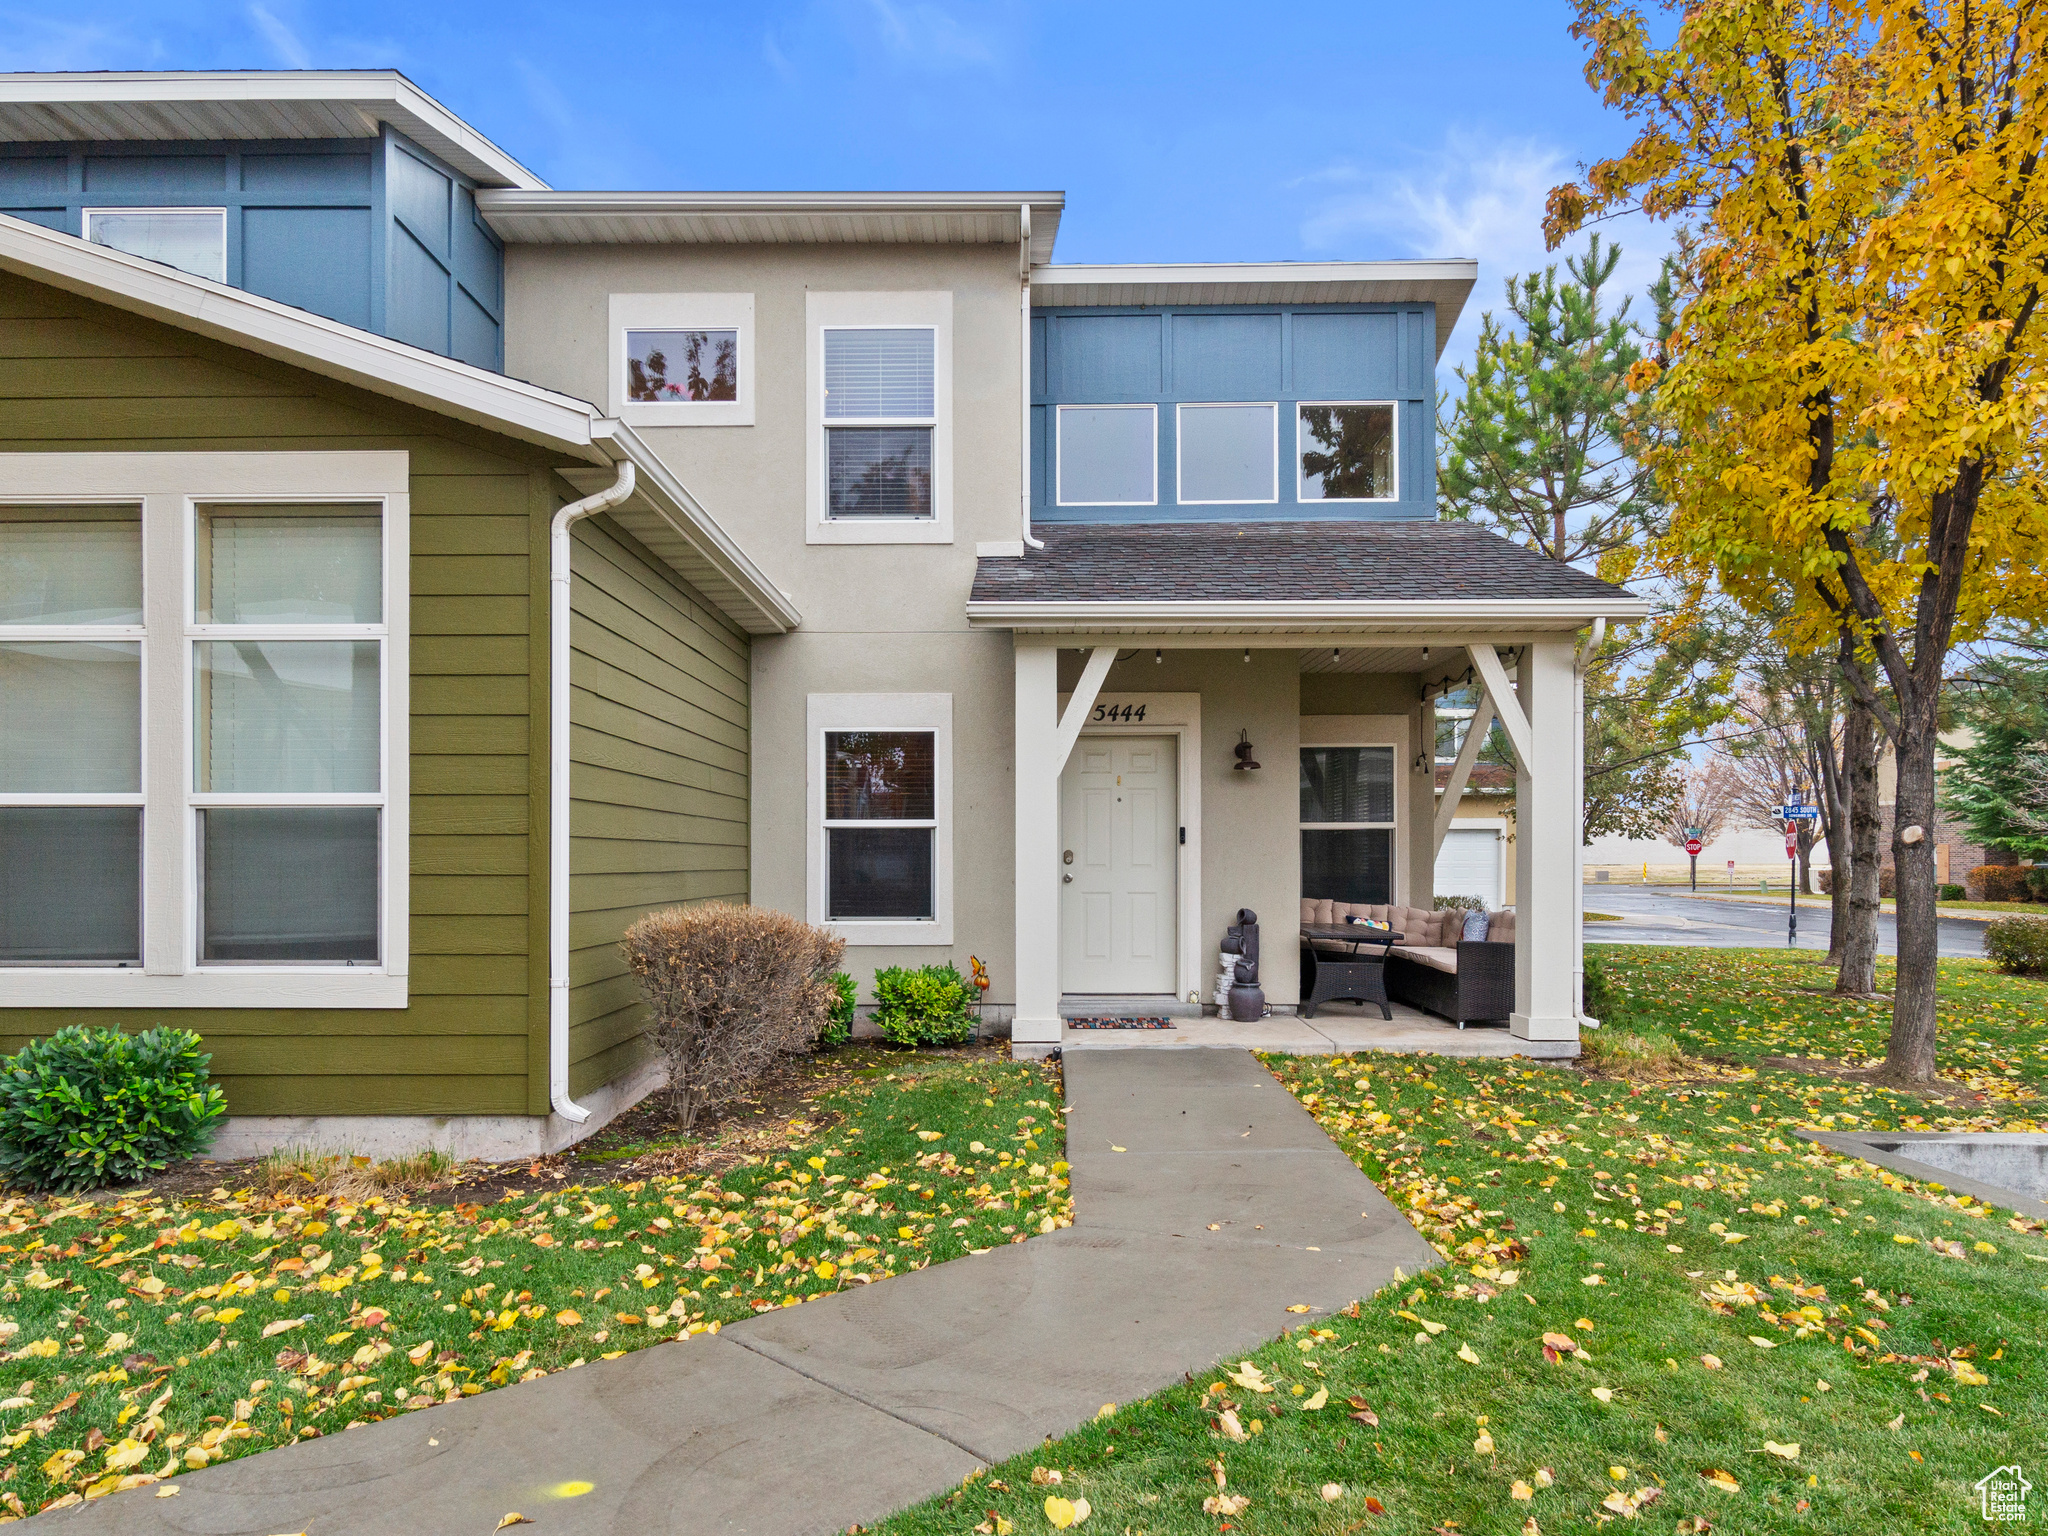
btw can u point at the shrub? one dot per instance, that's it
(1599, 998)
(1461, 903)
(1627, 1054)
(839, 1026)
(730, 989)
(929, 1006)
(342, 1175)
(2018, 945)
(1999, 882)
(1950, 893)
(2037, 882)
(92, 1106)
(1888, 882)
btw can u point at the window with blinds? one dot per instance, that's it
(880, 416)
(1347, 824)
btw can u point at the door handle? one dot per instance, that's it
(1066, 879)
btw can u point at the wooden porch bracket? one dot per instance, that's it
(1461, 770)
(1501, 694)
(1083, 700)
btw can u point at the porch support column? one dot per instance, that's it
(1547, 829)
(1037, 790)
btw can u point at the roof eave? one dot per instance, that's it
(1307, 616)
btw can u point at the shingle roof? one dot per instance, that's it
(1281, 562)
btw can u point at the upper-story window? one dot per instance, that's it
(1229, 454)
(683, 359)
(880, 422)
(880, 414)
(1345, 451)
(1108, 455)
(193, 240)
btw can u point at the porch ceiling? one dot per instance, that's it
(1364, 658)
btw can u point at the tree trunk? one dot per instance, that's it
(1856, 886)
(1909, 1057)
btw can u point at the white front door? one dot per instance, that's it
(1119, 831)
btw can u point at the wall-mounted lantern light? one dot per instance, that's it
(1243, 749)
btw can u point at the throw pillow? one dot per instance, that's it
(1475, 927)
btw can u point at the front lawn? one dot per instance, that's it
(148, 1335)
(1660, 1306)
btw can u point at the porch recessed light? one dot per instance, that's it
(1158, 657)
(1247, 653)
(1425, 653)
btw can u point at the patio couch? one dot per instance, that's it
(1434, 967)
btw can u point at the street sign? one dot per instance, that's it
(1791, 845)
(1693, 846)
(1792, 810)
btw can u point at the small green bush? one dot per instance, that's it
(1460, 903)
(839, 1025)
(1599, 997)
(1950, 893)
(2018, 945)
(929, 1006)
(90, 1106)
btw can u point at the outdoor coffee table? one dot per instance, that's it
(1360, 977)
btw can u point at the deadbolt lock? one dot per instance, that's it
(1067, 857)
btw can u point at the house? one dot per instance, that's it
(410, 574)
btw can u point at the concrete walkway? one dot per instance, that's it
(808, 1420)
(1336, 1029)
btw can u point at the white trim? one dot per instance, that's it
(1388, 731)
(1298, 616)
(684, 312)
(1080, 704)
(870, 310)
(1507, 703)
(1178, 715)
(1059, 455)
(1180, 437)
(1394, 414)
(168, 487)
(1442, 270)
(999, 549)
(881, 712)
(1479, 725)
(85, 219)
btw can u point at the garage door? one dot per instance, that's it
(1469, 864)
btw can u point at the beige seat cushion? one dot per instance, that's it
(1500, 928)
(1435, 956)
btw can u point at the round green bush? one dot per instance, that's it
(2018, 945)
(839, 1024)
(929, 1006)
(90, 1106)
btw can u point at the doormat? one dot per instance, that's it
(1117, 1023)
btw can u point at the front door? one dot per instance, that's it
(1119, 830)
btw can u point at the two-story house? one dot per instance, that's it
(410, 574)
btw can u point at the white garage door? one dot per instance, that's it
(1469, 864)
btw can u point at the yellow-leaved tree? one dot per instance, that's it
(1854, 390)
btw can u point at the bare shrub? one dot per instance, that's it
(308, 1170)
(731, 989)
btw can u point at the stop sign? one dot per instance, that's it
(1791, 844)
(1693, 846)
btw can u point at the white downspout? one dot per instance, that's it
(1579, 665)
(1024, 393)
(558, 785)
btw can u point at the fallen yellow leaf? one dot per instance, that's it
(1225, 1504)
(1320, 1397)
(1763, 1343)
(1721, 1480)
(1711, 1362)
(1064, 1512)
(515, 1518)
(1483, 1446)
(1604, 1394)
(1299, 1306)
(1521, 1490)
(1789, 1452)
(1332, 1492)
(1465, 1353)
(282, 1325)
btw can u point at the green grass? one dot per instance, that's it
(144, 1336)
(1888, 1330)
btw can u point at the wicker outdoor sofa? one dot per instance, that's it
(1434, 967)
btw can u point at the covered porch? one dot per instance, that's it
(1166, 748)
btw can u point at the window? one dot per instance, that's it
(71, 640)
(881, 808)
(203, 763)
(287, 731)
(1346, 452)
(1228, 453)
(193, 240)
(667, 367)
(1347, 824)
(683, 359)
(882, 379)
(879, 387)
(1108, 455)
(880, 814)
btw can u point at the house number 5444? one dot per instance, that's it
(1125, 712)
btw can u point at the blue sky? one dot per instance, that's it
(1179, 132)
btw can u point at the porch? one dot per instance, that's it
(1218, 735)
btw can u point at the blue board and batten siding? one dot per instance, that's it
(1284, 354)
(375, 233)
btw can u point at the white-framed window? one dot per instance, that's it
(1227, 453)
(226, 634)
(193, 240)
(880, 456)
(1107, 456)
(1347, 450)
(1349, 826)
(683, 359)
(881, 816)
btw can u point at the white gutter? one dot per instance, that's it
(1579, 664)
(1024, 370)
(558, 785)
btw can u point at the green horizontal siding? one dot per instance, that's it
(658, 744)
(76, 376)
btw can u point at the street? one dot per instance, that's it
(1661, 915)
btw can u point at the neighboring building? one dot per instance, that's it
(1955, 856)
(993, 583)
